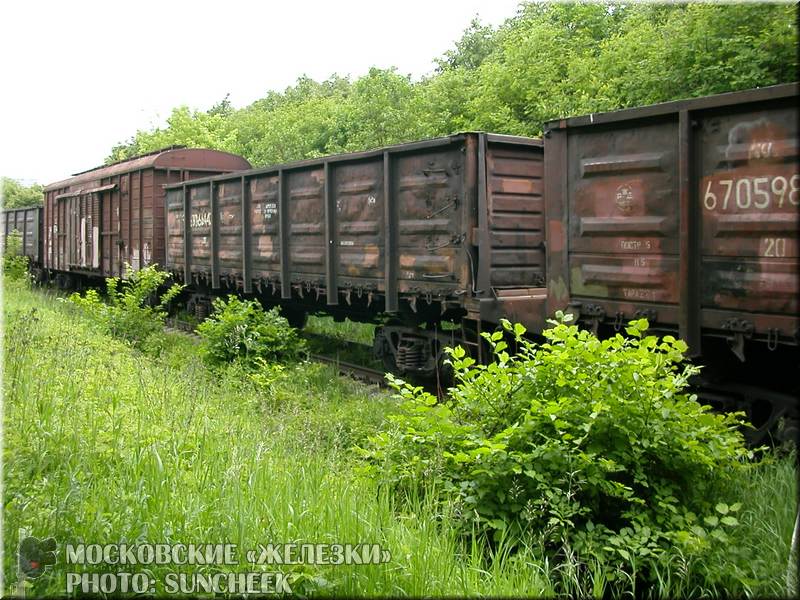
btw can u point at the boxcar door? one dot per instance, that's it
(106, 247)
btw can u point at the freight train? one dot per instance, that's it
(685, 213)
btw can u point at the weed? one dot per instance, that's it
(15, 264)
(133, 312)
(590, 448)
(241, 330)
(106, 444)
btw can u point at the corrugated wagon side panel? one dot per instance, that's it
(174, 230)
(623, 230)
(26, 221)
(686, 213)
(386, 226)
(153, 248)
(229, 242)
(516, 215)
(31, 241)
(359, 200)
(200, 226)
(429, 192)
(749, 185)
(306, 213)
(265, 226)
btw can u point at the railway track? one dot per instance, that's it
(351, 369)
(356, 371)
(176, 325)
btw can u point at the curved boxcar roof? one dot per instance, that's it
(196, 159)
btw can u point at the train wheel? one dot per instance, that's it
(765, 410)
(64, 281)
(297, 317)
(382, 350)
(199, 306)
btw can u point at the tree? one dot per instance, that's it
(15, 194)
(383, 108)
(476, 43)
(185, 127)
(547, 61)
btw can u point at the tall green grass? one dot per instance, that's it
(351, 331)
(105, 444)
(102, 445)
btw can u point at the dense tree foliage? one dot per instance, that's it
(16, 195)
(548, 61)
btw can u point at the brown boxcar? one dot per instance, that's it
(684, 212)
(425, 229)
(26, 221)
(99, 220)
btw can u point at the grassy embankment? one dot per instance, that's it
(104, 444)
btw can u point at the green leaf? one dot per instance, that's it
(722, 508)
(698, 531)
(720, 535)
(497, 524)
(730, 521)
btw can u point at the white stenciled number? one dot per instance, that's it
(710, 201)
(728, 183)
(757, 182)
(779, 189)
(743, 197)
(758, 192)
(775, 247)
(200, 220)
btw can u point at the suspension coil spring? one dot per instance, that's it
(411, 354)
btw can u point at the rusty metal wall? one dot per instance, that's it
(27, 221)
(396, 224)
(516, 215)
(98, 221)
(685, 212)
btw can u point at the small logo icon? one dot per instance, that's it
(624, 199)
(36, 555)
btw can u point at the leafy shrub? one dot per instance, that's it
(586, 448)
(15, 264)
(132, 311)
(241, 330)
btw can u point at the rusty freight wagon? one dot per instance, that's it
(27, 222)
(685, 213)
(99, 220)
(449, 228)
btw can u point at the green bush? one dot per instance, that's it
(15, 264)
(588, 449)
(132, 311)
(241, 330)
